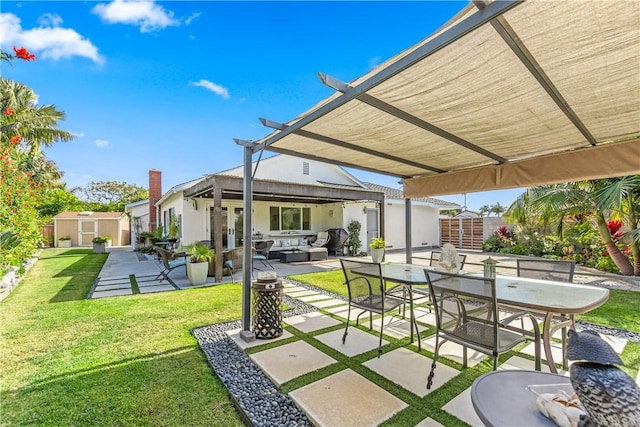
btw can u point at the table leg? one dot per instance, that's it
(546, 340)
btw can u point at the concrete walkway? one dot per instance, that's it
(115, 277)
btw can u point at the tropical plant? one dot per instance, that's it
(378, 243)
(581, 202)
(174, 228)
(353, 228)
(100, 240)
(199, 252)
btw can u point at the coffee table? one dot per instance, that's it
(293, 256)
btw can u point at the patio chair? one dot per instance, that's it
(169, 263)
(557, 271)
(229, 260)
(261, 253)
(423, 290)
(466, 312)
(321, 239)
(366, 290)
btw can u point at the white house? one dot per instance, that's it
(293, 199)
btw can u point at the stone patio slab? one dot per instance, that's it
(289, 361)
(396, 326)
(342, 310)
(357, 342)
(461, 407)
(328, 303)
(517, 362)
(311, 321)
(315, 297)
(453, 351)
(112, 293)
(303, 293)
(410, 370)
(429, 422)
(346, 399)
(101, 288)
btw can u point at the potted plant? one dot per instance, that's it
(174, 230)
(377, 246)
(64, 242)
(200, 256)
(100, 244)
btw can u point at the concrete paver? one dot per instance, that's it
(235, 336)
(414, 372)
(311, 321)
(289, 361)
(357, 341)
(346, 399)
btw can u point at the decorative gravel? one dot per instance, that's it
(258, 400)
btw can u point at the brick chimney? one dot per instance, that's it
(155, 193)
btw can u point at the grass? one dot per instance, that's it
(127, 360)
(131, 360)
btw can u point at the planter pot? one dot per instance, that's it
(99, 248)
(64, 243)
(197, 272)
(377, 254)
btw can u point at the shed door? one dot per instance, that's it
(87, 230)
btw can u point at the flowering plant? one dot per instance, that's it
(21, 53)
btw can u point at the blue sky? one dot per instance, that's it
(168, 85)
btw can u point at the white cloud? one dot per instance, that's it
(101, 143)
(77, 134)
(188, 20)
(50, 20)
(47, 41)
(213, 87)
(145, 13)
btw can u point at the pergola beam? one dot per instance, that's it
(347, 145)
(409, 118)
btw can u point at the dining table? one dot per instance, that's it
(550, 298)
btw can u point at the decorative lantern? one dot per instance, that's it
(490, 268)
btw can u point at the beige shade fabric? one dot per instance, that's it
(516, 94)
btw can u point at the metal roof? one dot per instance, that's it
(507, 94)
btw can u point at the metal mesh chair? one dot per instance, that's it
(466, 311)
(423, 290)
(367, 292)
(558, 271)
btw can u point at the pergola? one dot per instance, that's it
(507, 94)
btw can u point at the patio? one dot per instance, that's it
(297, 369)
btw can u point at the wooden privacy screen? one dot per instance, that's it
(463, 233)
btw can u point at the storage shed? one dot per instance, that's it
(82, 227)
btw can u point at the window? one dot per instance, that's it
(289, 218)
(305, 168)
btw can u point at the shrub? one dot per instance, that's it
(99, 240)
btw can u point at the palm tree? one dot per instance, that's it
(579, 201)
(21, 116)
(621, 197)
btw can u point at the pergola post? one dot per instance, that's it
(407, 230)
(217, 231)
(247, 265)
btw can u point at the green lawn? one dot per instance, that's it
(132, 360)
(115, 361)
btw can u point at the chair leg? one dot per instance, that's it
(344, 337)
(380, 341)
(432, 372)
